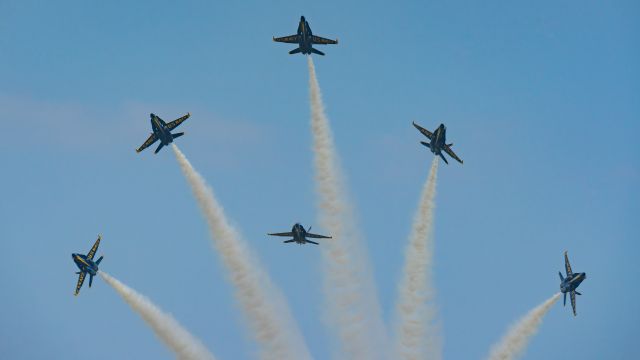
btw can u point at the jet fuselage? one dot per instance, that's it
(299, 233)
(84, 264)
(438, 140)
(306, 36)
(160, 130)
(571, 283)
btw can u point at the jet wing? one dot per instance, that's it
(573, 302)
(448, 150)
(80, 281)
(174, 124)
(322, 41)
(291, 39)
(567, 266)
(288, 234)
(152, 138)
(316, 236)
(424, 131)
(94, 248)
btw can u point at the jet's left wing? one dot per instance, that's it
(424, 131)
(573, 302)
(291, 39)
(288, 234)
(448, 150)
(316, 236)
(174, 124)
(322, 41)
(94, 248)
(567, 266)
(152, 138)
(80, 281)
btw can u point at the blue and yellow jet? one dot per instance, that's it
(570, 283)
(86, 265)
(162, 132)
(438, 142)
(305, 39)
(300, 235)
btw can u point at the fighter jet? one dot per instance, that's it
(162, 132)
(300, 235)
(305, 39)
(438, 142)
(570, 283)
(86, 265)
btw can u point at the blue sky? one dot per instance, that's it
(540, 100)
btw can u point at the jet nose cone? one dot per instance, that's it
(152, 115)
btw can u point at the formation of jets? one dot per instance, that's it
(305, 40)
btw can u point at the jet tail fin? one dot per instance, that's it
(177, 135)
(90, 280)
(315, 51)
(564, 301)
(295, 51)
(561, 277)
(159, 147)
(444, 158)
(99, 259)
(578, 293)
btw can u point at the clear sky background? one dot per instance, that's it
(540, 99)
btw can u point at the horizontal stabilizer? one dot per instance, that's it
(159, 147)
(313, 242)
(317, 52)
(561, 277)
(425, 144)
(295, 51)
(99, 259)
(578, 293)
(177, 135)
(90, 280)
(444, 158)
(288, 241)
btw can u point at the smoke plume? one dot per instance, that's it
(172, 334)
(353, 308)
(514, 343)
(263, 306)
(417, 335)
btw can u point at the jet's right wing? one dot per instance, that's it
(288, 234)
(573, 302)
(291, 39)
(567, 266)
(80, 281)
(448, 150)
(322, 41)
(317, 236)
(174, 124)
(94, 248)
(152, 138)
(424, 131)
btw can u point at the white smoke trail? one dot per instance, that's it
(514, 343)
(172, 334)
(417, 337)
(352, 300)
(264, 307)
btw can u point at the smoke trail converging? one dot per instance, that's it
(179, 340)
(514, 343)
(417, 337)
(352, 300)
(263, 306)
